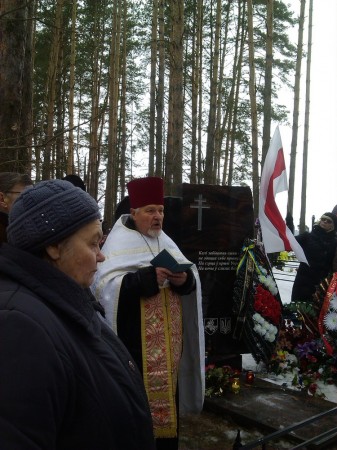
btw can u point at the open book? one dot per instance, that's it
(166, 260)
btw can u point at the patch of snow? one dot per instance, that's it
(285, 279)
(328, 391)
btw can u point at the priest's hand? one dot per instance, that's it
(162, 275)
(177, 279)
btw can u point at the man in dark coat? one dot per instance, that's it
(319, 247)
(67, 382)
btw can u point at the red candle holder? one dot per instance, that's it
(250, 377)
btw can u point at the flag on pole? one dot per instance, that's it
(276, 235)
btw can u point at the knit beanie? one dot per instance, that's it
(47, 213)
(333, 217)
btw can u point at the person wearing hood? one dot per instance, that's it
(319, 247)
(67, 381)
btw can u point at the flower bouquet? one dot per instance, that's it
(217, 379)
(257, 303)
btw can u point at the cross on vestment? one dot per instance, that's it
(200, 207)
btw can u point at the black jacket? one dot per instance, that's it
(3, 226)
(319, 248)
(66, 381)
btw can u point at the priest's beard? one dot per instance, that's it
(154, 233)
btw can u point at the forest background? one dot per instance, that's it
(187, 90)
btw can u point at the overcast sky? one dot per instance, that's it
(322, 156)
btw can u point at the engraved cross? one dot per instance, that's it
(200, 207)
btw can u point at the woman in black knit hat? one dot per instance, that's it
(66, 380)
(319, 247)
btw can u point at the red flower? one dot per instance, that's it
(267, 305)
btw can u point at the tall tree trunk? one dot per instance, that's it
(153, 72)
(292, 168)
(200, 106)
(236, 104)
(209, 163)
(58, 159)
(196, 47)
(97, 40)
(160, 93)
(253, 108)
(114, 70)
(123, 139)
(70, 156)
(51, 90)
(267, 80)
(306, 125)
(174, 159)
(234, 82)
(16, 27)
(218, 137)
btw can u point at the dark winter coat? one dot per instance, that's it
(66, 381)
(3, 226)
(319, 248)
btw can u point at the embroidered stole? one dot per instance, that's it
(161, 321)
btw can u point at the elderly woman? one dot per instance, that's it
(319, 247)
(66, 381)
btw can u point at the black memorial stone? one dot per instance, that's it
(215, 222)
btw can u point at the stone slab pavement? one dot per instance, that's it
(271, 407)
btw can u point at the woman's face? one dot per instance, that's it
(78, 255)
(8, 198)
(326, 223)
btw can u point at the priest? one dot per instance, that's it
(157, 313)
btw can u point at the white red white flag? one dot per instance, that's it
(276, 235)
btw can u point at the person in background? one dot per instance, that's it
(155, 312)
(67, 381)
(11, 186)
(319, 247)
(75, 180)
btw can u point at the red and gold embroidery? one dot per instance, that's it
(162, 346)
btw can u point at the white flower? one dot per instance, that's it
(270, 337)
(291, 358)
(263, 331)
(268, 282)
(265, 325)
(257, 318)
(333, 302)
(330, 321)
(258, 328)
(264, 328)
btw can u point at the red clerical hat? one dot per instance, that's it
(146, 191)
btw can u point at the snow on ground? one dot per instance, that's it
(329, 391)
(285, 279)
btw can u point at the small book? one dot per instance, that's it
(166, 260)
